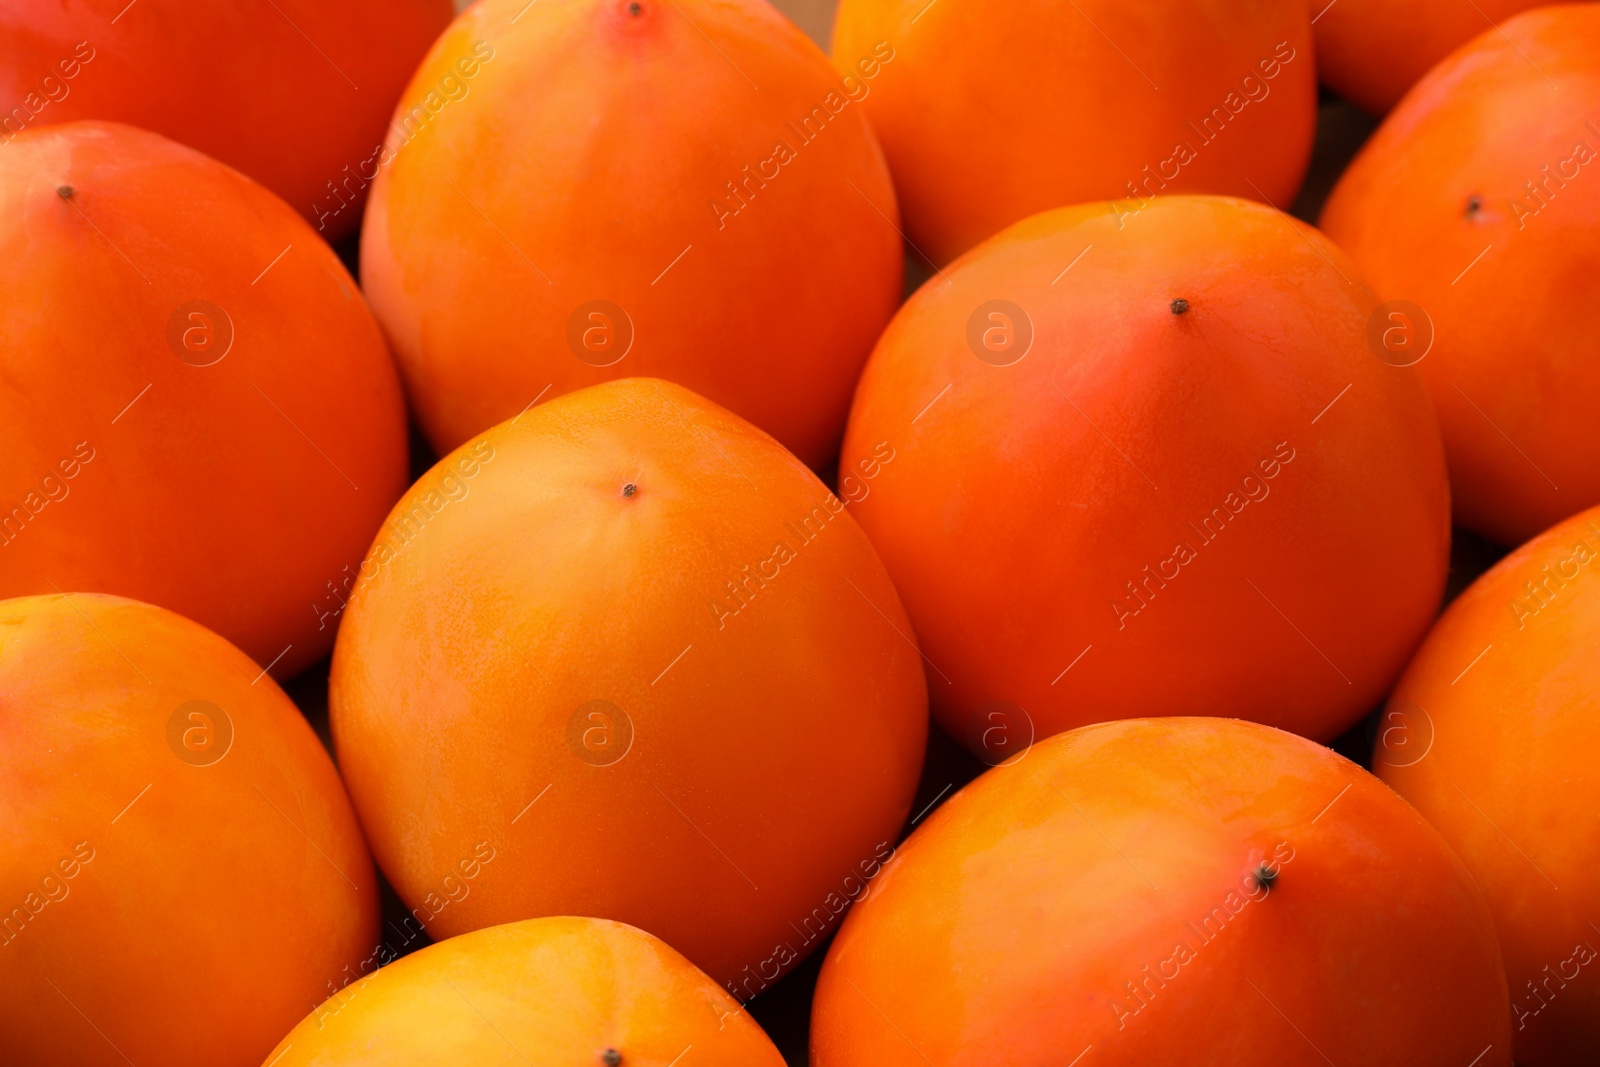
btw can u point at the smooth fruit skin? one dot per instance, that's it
(1372, 51)
(558, 990)
(990, 112)
(1479, 200)
(762, 711)
(1492, 734)
(294, 93)
(1233, 510)
(631, 188)
(1102, 898)
(180, 880)
(239, 492)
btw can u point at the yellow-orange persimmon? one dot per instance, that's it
(294, 93)
(182, 875)
(989, 113)
(1478, 201)
(588, 992)
(197, 409)
(1152, 467)
(1168, 891)
(625, 656)
(675, 188)
(1492, 734)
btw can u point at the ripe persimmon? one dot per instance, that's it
(1492, 734)
(1372, 51)
(989, 113)
(182, 875)
(294, 93)
(586, 992)
(1151, 466)
(196, 407)
(1165, 892)
(635, 652)
(1478, 201)
(675, 188)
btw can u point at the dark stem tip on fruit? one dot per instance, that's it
(64, 192)
(629, 489)
(1474, 203)
(611, 1057)
(635, 9)
(1265, 876)
(1179, 306)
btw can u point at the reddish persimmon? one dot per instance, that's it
(625, 656)
(678, 188)
(1166, 892)
(990, 112)
(1478, 201)
(295, 93)
(1372, 51)
(1492, 734)
(1150, 467)
(196, 408)
(586, 992)
(182, 875)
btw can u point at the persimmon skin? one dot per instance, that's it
(561, 990)
(769, 744)
(1491, 734)
(294, 93)
(1371, 52)
(991, 113)
(1017, 923)
(1153, 512)
(603, 155)
(1512, 287)
(220, 896)
(239, 493)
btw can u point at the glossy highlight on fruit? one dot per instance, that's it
(183, 875)
(623, 655)
(1168, 891)
(681, 189)
(1152, 466)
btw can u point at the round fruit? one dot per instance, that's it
(295, 93)
(1491, 734)
(586, 992)
(990, 113)
(196, 408)
(1372, 51)
(182, 874)
(636, 652)
(1151, 470)
(680, 189)
(1479, 202)
(1168, 891)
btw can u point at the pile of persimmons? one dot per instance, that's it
(552, 365)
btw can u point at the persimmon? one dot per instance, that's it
(196, 407)
(990, 113)
(675, 188)
(1492, 734)
(587, 992)
(295, 93)
(1372, 51)
(625, 656)
(1148, 467)
(1478, 201)
(183, 876)
(1163, 892)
